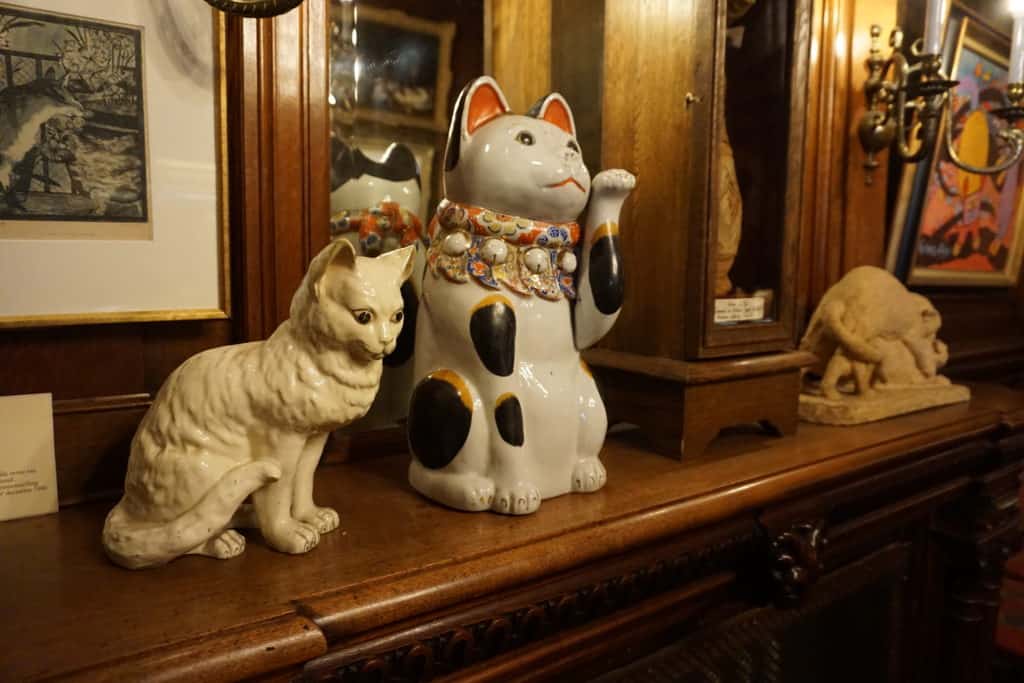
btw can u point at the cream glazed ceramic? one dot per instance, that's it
(252, 419)
(505, 413)
(375, 205)
(878, 352)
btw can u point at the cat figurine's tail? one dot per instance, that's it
(134, 544)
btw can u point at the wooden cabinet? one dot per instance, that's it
(866, 553)
(657, 91)
(847, 554)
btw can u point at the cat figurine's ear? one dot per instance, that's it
(338, 255)
(479, 102)
(402, 260)
(555, 110)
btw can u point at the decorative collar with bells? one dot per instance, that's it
(526, 256)
(380, 228)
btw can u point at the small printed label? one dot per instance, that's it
(734, 36)
(28, 470)
(739, 310)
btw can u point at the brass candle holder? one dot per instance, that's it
(908, 104)
(905, 109)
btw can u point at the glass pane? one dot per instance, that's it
(396, 69)
(752, 152)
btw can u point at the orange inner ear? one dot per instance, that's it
(557, 114)
(484, 106)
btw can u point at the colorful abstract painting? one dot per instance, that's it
(968, 230)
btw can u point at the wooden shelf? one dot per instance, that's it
(68, 610)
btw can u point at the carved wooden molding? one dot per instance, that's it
(421, 656)
(98, 404)
(749, 646)
(797, 559)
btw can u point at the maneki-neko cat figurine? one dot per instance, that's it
(250, 420)
(505, 413)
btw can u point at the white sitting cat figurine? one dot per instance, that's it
(505, 412)
(252, 419)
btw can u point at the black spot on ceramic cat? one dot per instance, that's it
(607, 281)
(492, 326)
(407, 337)
(440, 413)
(508, 416)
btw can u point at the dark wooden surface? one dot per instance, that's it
(71, 611)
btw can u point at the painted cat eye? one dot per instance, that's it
(397, 317)
(363, 317)
(524, 138)
(574, 147)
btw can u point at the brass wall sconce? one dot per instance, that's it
(905, 109)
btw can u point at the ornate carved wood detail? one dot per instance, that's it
(977, 534)
(797, 560)
(751, 647)
(421, 657)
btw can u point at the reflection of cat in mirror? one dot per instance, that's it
(252, 419)
(360, 183)
(376, 205)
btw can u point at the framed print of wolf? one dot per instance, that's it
(73, 160)
(113, 204)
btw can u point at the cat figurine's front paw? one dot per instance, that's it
(613, 182)
(520, 499)
(292, 536)
(588, 475)
(323, 519)
(228, 544)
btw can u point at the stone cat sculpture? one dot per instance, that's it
(252, 419)
(505, 413)
(878, 353)
(375, 205)
(866, 307)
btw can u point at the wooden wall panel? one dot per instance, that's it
(281, 145)
(92, 438)
(843, 223)
(521, 50)
(865, 240)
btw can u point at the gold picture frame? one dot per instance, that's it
(380, 94)
(215, 248)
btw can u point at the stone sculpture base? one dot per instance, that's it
(881, 404)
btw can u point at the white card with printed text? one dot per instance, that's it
(28, 467)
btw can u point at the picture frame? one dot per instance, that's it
(405, 69)
(77, 262)
(950, 227)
